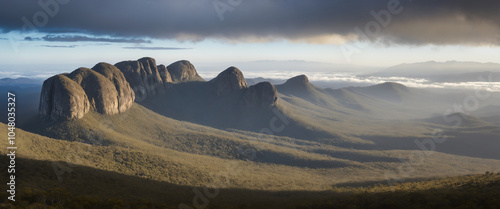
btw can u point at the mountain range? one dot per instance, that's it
(450, 71)
(226, 102)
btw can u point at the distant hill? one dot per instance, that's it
(27, 101)
(20, 81)
(466, 120)
(490, 110)
(440, 71)
(300, 86)
(480, 76)
(253, 81)
(389, 91)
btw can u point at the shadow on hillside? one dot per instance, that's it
(195, 102)
(289, 160)
(359, 157)
(69, 130)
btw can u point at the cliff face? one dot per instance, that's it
(148, 79)
(143, 76)
(68, 96)
(152, 80)
(164, 74)
(112, 89)
(125, 93)
(63, 98)
(100, 91)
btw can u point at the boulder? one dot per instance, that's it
(230, 80)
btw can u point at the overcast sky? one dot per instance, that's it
(60, 33)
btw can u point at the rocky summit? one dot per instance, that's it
(232, 82)
(228, 81)
(143, 76)
(297, 81)
(125, 93)
(102, 88)
(183, 71)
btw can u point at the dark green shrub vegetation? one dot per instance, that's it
(476, 191)
(59, 198)
(473, 191)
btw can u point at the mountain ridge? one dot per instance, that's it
(111, 89)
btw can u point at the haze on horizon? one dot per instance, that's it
(47, 37)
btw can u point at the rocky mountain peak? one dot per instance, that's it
(183, 71)
(300, 80)
(228, 81)
(392, 86)
(125, 93)
(62, 98)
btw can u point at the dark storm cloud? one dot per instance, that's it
(59, 46)
(419, 22)
(79, 38)
(154, 48)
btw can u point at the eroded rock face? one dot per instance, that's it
(134, 74)
(126, 95)
(183, 71)
(143, 76)
(153, 81)
(263, 95)
(101, 92)
(230, 80)
(164, 74)
(62, 98)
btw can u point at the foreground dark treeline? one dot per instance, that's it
(479, 191)
(474, 191)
